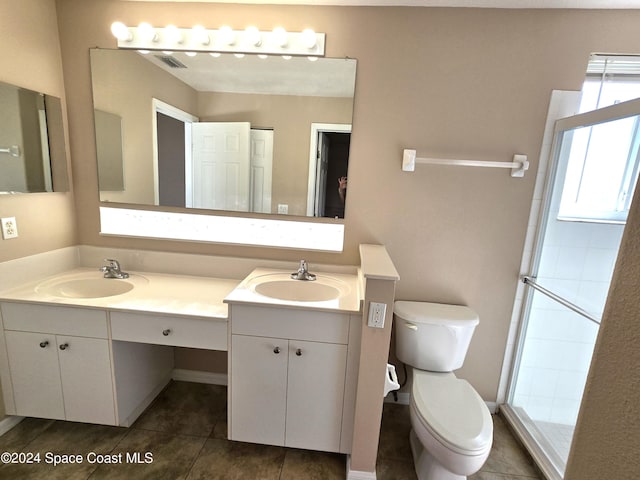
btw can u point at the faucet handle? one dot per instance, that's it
(113, 263)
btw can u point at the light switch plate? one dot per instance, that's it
(283, 208)
(377, 312)
(9, 228)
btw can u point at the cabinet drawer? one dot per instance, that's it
(82, 322)
(167, 330)
(310, 325)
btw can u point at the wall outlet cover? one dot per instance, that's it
(9, 228)
(377, 311)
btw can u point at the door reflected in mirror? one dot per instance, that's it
(223, 133)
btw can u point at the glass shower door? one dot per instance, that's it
(594, 171)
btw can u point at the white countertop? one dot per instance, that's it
(153, 292)
(351, 301)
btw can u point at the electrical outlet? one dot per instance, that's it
(377, 312)
(9, 228)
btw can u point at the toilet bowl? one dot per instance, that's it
(452, 430)
(451, 427)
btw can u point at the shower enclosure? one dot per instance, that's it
(592, 175)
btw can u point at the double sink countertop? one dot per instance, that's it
(172, 294)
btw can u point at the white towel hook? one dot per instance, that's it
(519, 165)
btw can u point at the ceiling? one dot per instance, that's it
(602, 4)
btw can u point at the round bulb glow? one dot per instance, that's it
(215, 54)
(144, 52)
(280, 36)
(238, 55)
(262, 56)
(253, 36)
(227, 36)
(121, 32)
(286, 57)
(200, 35)
(309, 38)
(190, 54)
(147, 33)
(172, 34)
(313, 59)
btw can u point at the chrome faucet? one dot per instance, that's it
(113, 269)
(303, 272)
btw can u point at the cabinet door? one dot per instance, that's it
(85, 371)
(315, 395)
(35, 374)
(258, 389)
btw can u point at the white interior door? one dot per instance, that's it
(221, 165)
(321, 174)
(261, 163)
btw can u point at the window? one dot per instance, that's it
(603, 161)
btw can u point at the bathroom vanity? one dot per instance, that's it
(83, 348)
(293, 360)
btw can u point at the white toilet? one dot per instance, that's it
(451, 427)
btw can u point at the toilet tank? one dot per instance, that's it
(433, 336)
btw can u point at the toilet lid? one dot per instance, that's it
(452, 411)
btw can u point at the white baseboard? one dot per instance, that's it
(198, 376)
(404, 397)
(8, 422)
(358, 474)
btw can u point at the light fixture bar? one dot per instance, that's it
(224, 40)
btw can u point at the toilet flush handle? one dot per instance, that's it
(410, 326)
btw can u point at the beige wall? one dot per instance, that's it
(290, 117)
(30, 55)
(125, 85)
(449, 82)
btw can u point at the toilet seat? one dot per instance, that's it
(452, 412)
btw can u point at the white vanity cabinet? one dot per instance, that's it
(288, 370)
(59, 363)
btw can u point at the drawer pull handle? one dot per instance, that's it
(166, 332)
(44, 344)
(276, 350)
(299, 352)
(64, 346)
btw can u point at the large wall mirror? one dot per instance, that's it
(32, 149)
(249, 134)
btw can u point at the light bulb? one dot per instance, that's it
(227, 35)
(172, 34)
(262, 56)
(238, 55)
(121, 32)
(253, 36)
(286, 57)
(280, 36)
(190, 54)
(147, 33)
(215, 54)
(309, 38)
(200, 35)
(312, 59)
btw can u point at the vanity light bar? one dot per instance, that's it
(223, 40)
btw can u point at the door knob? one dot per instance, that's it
(299, 352)
(44, 344)
(166, 332)
(276, 350)
(64, 346)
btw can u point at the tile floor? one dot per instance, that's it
(185, 432)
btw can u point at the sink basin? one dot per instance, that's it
(282, 287)
(87, 285)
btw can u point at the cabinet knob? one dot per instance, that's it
(166, 332)
(64, 346)
(44, 344)
(299, 352)
(276, 350)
